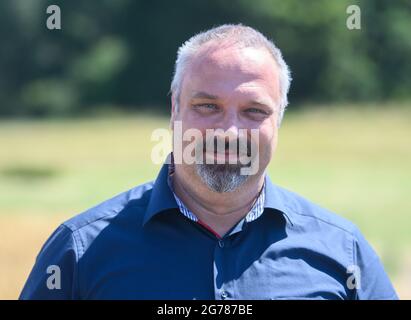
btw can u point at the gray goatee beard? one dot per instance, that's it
(221, 177)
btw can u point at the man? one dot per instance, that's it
(205, 229)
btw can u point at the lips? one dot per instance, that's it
(226, 152)
(223, 158)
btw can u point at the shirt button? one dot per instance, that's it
(221, 243)
(224, 295)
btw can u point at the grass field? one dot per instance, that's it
(354, 161)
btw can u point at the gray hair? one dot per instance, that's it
(239, 35)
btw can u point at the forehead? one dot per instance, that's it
(221, 70)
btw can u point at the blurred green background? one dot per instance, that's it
(78, 106)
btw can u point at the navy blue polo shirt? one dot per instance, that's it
(138, 245)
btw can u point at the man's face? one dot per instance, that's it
(230, 88)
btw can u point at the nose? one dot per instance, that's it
(230, 130)
(230, 123)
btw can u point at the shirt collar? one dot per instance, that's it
(162, 198)
(276, 200)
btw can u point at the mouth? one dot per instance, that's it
(222, 157)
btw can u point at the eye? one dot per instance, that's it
(256, 114)
(205, 107)
(256, 110)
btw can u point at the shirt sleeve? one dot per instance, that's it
(54, 274)
(372, 282)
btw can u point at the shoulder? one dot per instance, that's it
(306, 213)
(98, 216)
(325, 232)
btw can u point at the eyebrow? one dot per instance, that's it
(204, 95)
(258, 104)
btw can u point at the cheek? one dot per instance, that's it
(191, 119)
(268, 140)
(267, 131)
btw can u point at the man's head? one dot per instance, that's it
(230, 78)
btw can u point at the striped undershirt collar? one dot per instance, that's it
(255, 212)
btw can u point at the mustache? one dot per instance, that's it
(238, 146)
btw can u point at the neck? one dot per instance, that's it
(220, 211)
